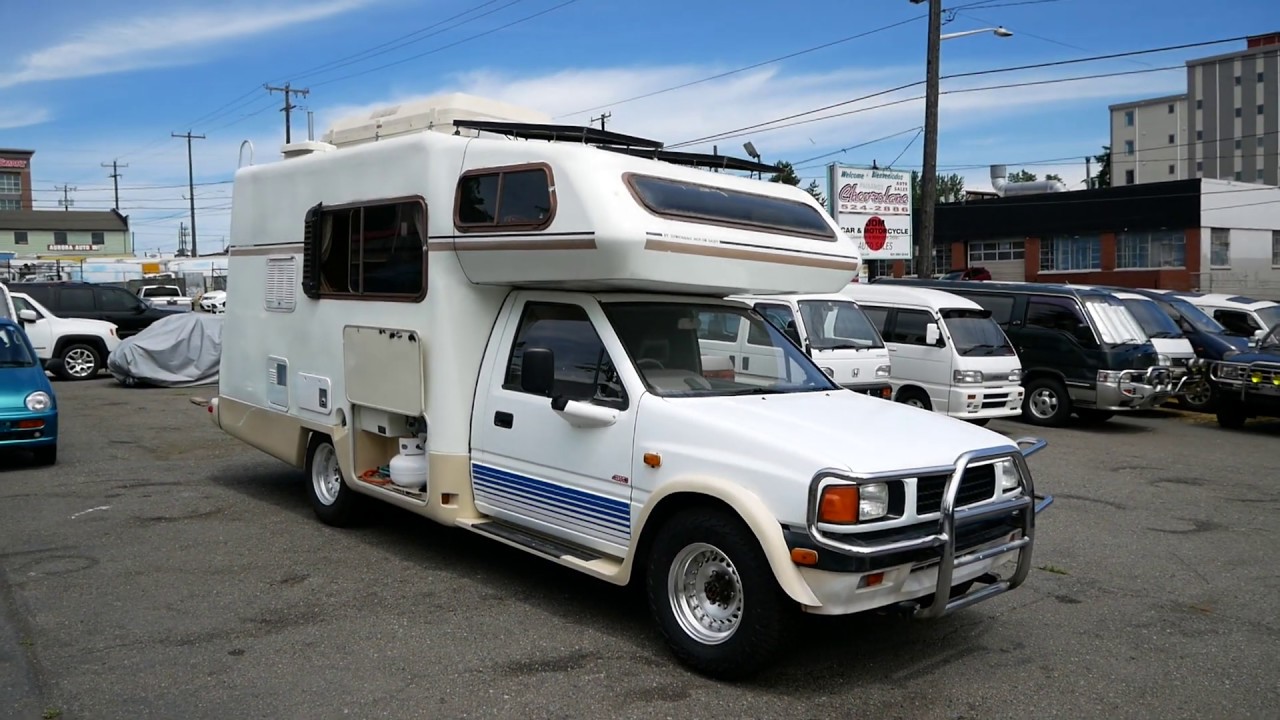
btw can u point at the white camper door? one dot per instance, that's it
(543, 469)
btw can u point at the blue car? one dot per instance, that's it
(1247, 384)
(28, 409)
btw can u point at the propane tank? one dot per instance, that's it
(409, 468)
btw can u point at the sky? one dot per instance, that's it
(85, 83)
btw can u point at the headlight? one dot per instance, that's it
(1015, 375)
(882, 371)
(966, 376)
(830, 373)
(1109, 376)
(39, 401)
(1163, 360)
(851, 504)
(1007, 475)
(1230, 371)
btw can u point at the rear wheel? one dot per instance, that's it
(1046, 403)
(334, 503)
(714, 596)
(78, 362)
(915, 397)
(1197, 397)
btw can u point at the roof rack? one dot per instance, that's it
(721, 162)
(564, 133)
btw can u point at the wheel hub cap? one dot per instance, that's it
(78, 362)
(326, 476)
(1044, 403)
(705, 593)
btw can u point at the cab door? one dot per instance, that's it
(40, 332)
(556, 471)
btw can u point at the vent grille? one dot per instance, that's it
(282, 282)
(977, 485)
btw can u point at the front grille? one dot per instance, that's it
(978, 484)
(994, 401)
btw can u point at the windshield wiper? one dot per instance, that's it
(982, 346)
(1166, 334)
(844, 346)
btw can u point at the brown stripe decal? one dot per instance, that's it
(245, 250)
(467, 245)
(720, 251)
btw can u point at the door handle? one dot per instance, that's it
(503, 419)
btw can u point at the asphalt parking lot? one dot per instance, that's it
(163, 570)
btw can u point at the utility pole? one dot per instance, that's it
(288, 107)
(182, 240)
(191, 184)
(602, 117)
(66, 202)
(115, 178)
(929, 171)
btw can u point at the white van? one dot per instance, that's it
(949, 356)
(495, 325)
(831, 329)
(1242, 316)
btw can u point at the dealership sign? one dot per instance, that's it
(12, 163)
(72, 248)
(873, 207)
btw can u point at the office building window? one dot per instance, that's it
(1199, 135)
(1128, 118)
(1275, 248)
(59, 237)
(1259, 77)
(1238, 112)
(1237, 143)
(1157, 248)
(1262, 109)
(1071, 253)
(1170, 108)
(1261, 143)
(98, 238)
(1128, 177)
(1171, 139)
(1199, 104)
(10, 183)
(1260, 174)
(1128, 147)
(1199, 166)
(1170, 169)
(1237, 80)
(10, 204)
(1219, 248)
(1239, 175)
(995, 250)
(20, 237)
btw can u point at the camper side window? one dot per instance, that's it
(505, 199)
(374, 250)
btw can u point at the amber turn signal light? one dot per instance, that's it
(804, 556)
(839, 505)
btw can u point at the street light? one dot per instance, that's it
(929, 169)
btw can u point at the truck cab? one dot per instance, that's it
(831, 329)
(499, 325)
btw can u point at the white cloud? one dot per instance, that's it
(160, 40)
(18, 116)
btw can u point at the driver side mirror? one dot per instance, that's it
(1256, 340)
(28, 316)
(932, 335)
(538, 371)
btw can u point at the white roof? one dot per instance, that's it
(930, 297)
(1229, 300)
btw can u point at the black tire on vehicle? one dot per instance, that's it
(1095, 417)
(915, 397)
(1231, 415)
(47, 455)
(79, 361)
(1046, 403)
(981, 422)
(714, 596)
(333, 502)
(1197, 397)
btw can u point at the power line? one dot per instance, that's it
(797, 165)
(907, 147)
(992, 71)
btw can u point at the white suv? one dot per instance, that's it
(72, 348)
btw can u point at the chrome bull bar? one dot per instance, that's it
(951, 520)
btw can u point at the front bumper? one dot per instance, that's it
(1255, 387)
(27, 429)
(977, 402)
(874, 389)
(1137, 389)
(926, 559)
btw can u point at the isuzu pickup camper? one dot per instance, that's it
(495, 325)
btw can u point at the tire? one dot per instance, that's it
(915, 397)
(1231, 416)
(333, 502)
(756, 613)
(1095, 417)
(1198, 397)
(79, 361)
(47, 455)
(1046, 403)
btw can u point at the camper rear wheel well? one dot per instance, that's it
(667, 508)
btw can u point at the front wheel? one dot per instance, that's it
(1046, 403)
(714, 596)
(334, 503)
(1231, 415)
(78, 362)
(1197, 397)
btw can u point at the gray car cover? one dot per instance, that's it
(182, 350)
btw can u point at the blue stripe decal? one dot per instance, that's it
(561, 510)
(540, 513)
(607, 505)
(552, 494)
(608, 515)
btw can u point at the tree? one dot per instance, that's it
(1054, 176)
(1103, 177)
(1022, 176)
(787, 174)
(950, 188)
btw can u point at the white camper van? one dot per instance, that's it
(949, 356)
(832, 329)
(495, 325)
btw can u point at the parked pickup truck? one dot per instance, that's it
(71, 348)
(166, 296)
(1247, 384)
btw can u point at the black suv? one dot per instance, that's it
(96, 302)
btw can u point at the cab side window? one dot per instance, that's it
(1236, 322)
(879, 316)
(778, 315)
(117, 300)
(584, 370)
(909, 327)
(1001, 306)
(1053, 313)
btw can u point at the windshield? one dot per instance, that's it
(1114, 323)
(1271, 341)
(13, 349)
(973, 332)
(1152, 318)
(1197, 317)
(687, 349)
(1269, 316)
(838, 325)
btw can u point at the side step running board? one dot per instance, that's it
(540, 544)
